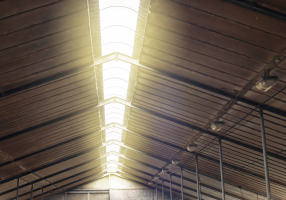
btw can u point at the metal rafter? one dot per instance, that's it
(121, 101)
(84, 163)
(135, 62)
(162, 142)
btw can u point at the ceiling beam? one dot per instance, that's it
(252, 5)
(184, 178)
(126, 103)
(133, 61)
(154, 156)
(174, 183)
(48, 192)
(177, 121)
(59, 76)
(105, 102)
(209, 158)
(141, 163)
(50, 164)
(79, 165)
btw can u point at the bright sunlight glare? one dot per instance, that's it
(118, 21)
(112, 158)
(113, 134)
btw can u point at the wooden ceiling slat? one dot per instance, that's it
(193, 101)
(190, 73)
(250, 18)
(184, 59)
(45, 42)
(43, 30)
(37, 93)
(218, 24)
(50, 114)
(45, 13)
(38, 106)
(236, 60)
(12, 7)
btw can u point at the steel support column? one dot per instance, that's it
(17, 189)
(197, 177)
(162, 189)
(221, 169)
(156, 192)
(32, 188)
(171, 196)
(182, 186)
(265, 154)
(42, 193)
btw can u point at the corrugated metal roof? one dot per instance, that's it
(52, 132)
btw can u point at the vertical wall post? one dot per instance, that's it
(182, 190)
(171, 196)
(156, 192)
(42, 193)
(17, 189)
(221, 169)
(265, 154)
(32, 192)
(197, 177)
(162, 189)
(50, 196)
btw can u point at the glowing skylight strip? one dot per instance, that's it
(112, 158)
(118, 21)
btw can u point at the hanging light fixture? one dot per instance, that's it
(192, 147)
(217, 125)
(175, 161)
(267, 82)
(156, 177)
(164, 170)
(150, 183)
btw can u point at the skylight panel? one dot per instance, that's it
(112, 165)
(118, 21)
(112, 170)
(113, 134)
(123, 35)
(112, 147)
(114, 112)
(112, 158)
(116, 47)
(134, 4)
(126, 20)
(114, 72)
(116, 79)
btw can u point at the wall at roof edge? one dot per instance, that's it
(116, 183)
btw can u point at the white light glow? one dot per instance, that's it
(113, 134)
(112, 147)
(112, 158)
(112, 165)
(118, 21)
(115, 79)
(111, 170)
(114, 112)
(133, 4)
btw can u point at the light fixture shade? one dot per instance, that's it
(192, 147)
(217, 125)
(156, 177)
(149, 183)
(164, 170)
(175, 161)
(265, 83)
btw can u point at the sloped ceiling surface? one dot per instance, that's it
(52, 133)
